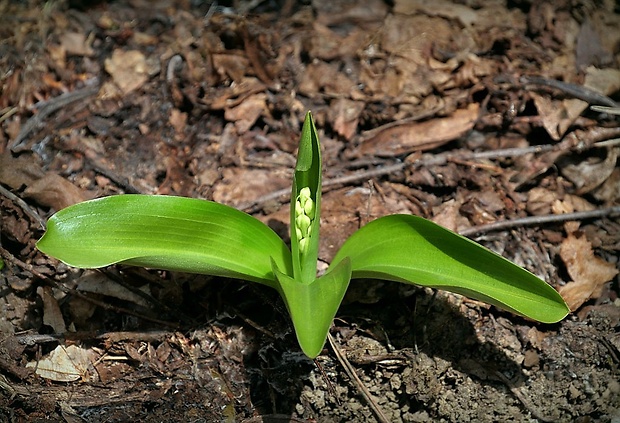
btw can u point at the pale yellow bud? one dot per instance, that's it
(303, 223)
(304, 194)
(299, 209)
(309, 208)
(303, 245)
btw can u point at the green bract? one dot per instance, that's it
(200, 236)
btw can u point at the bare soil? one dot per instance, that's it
(475, 114)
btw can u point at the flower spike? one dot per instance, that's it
(305, 204)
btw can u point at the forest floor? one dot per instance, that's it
(467, 113)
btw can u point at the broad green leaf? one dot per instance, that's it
(306, 185)
(166, 232)
(313, 306)
(413, 250)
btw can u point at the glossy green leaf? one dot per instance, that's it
(414, 250)
(313, 306)
(306, 186)
(166, 232)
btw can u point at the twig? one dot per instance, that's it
(358, 383)
(47, 108)
(429, 160)
(578, 91)
(541, 220)
(606, 109)
(24, 206)
(330, 386)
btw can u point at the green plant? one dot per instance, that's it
(200, 236)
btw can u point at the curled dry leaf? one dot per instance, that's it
(557, 117)
(346, 114)
(52, 316)
(609, 191)
(591, 173)
(539, 201)
(247, 113)
(588, 272)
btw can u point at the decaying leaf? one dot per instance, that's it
(76, 43)
(52, 316)
(128, 70)
(64, 364)
(588, 272)
(609, 191)
(98, 283)
(55, 191)
(557, 117)
(591, 173)
(417, 136)
(245, 114)
(346, 118)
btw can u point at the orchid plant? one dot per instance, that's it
(200, 236)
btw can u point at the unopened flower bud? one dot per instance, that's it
(309, 208)
(303, 223)
(303, 245)
(304, 194)
(299, 209)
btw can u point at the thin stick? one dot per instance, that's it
(358, 383)
(24, 206)
(541, 220)
(330, 387)
(577, 91)
(435, 160)
(48, 107)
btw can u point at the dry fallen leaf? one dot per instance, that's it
(64, 364)
(419, 136)
(247, 113)
(76, 43)
(447, 9)
(238, 186)
(557, 117)
(52, 316)
(539, 200)
(129, 69)
(591, 173)
(448, 215)
(345, 116)
(588, 272)
(98, 283)
(19, 171)
(609, 191)
(56, 192)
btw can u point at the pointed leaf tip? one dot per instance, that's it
(414, 250)
(312, 306)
